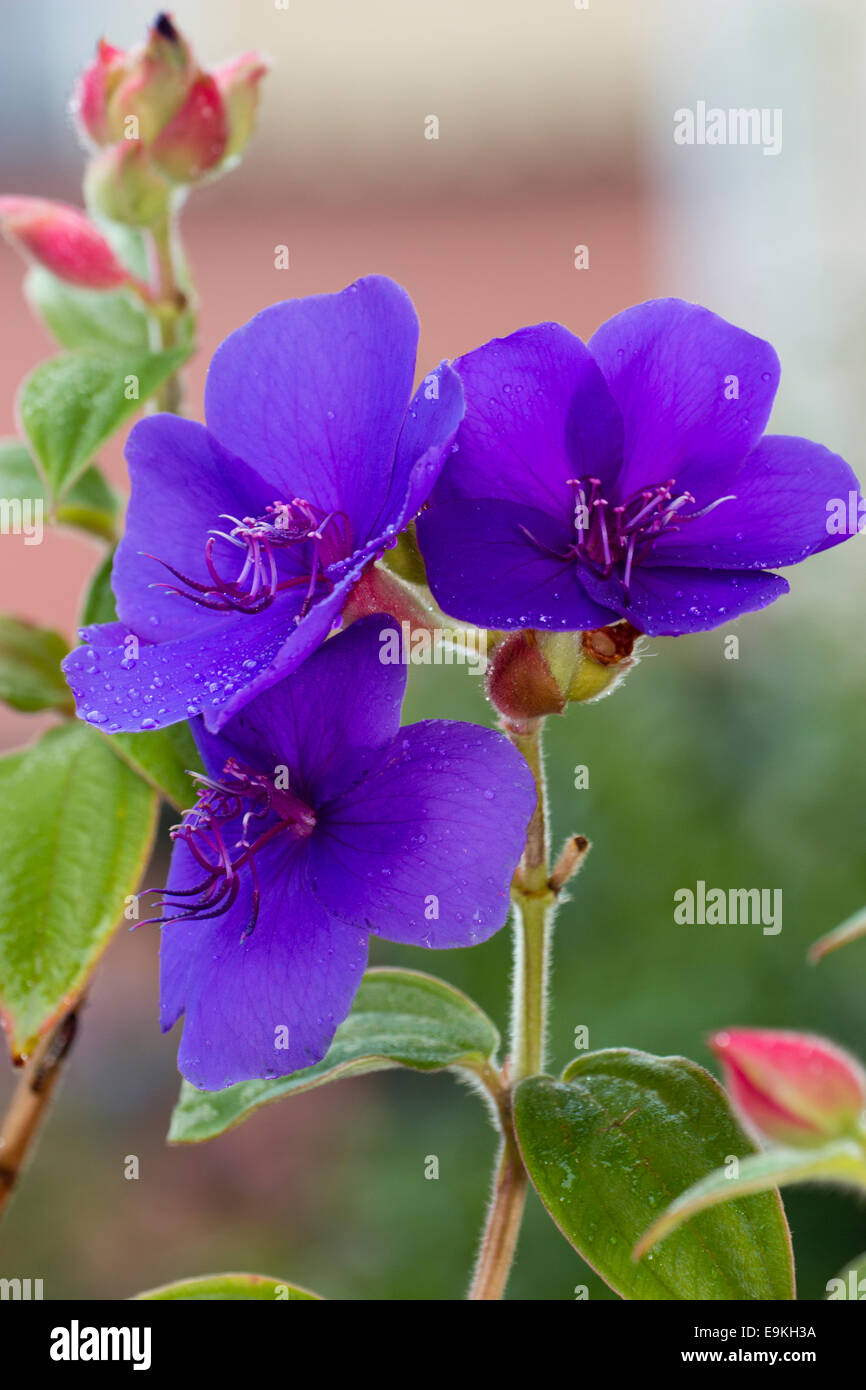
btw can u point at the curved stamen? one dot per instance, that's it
(257, 582)
(615, 539)
(243, 795)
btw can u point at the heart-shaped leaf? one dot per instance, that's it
(30, 674)
(614, 1142)
(92, 319)
(70, 405)
(229, 1288)
(399, 1018)
(90, 504)
(76, 825)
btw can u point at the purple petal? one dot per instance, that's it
(782, 490)
(424, 445)
(212, 673)
(299, 970)
(423, 851)
(537, 414)
(313, 392)
(668, 365)
(340, 705)
(669, 602)
(500, 564)
(182, 481)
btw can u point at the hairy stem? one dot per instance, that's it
(30, 1101)
(533, 899)
(172, 303)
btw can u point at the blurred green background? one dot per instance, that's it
(556, 131)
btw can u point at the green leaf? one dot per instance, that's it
(163, 757)
(618, 1138)
(850, 1281)
(399, 1018)
(70, 405)
(841, 1162)
(92, 319)
(229, 1288)
(90, 505)
(99, 605)
(30, 675)
(852, 929)
(76, 826)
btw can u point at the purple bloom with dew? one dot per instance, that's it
(318, 822)
(245, 538)
(627, 478)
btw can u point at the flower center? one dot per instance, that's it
(616, 538)
(210, 829)
(283, 526)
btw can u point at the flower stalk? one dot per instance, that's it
(172, 301)
(534, 899)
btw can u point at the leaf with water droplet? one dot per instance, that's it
(620, 1136)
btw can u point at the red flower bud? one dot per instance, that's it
(520, 684)
(90, 96)
(792, 1088)
(238, 83)
(64, 240)
(195, 140)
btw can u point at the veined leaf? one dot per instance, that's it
(399, 1018)
(71, 404)
(76, 826)
(614, 1142)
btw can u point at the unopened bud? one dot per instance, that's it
(63, 240)
(195, 140)
(790, 1087)
(537, 673)
(156, 81)
(123, 185)
(238, 83)
(520, 684)
(93, 91)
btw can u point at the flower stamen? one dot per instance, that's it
(241, 795)
(257, 582)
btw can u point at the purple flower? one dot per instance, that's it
(245, 538)
(320, 821)
(627, 479)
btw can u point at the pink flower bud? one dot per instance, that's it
(156, 80)
(64, 240)
(197, 137)
(92, 91)
(791, 1088)
(238, 83)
